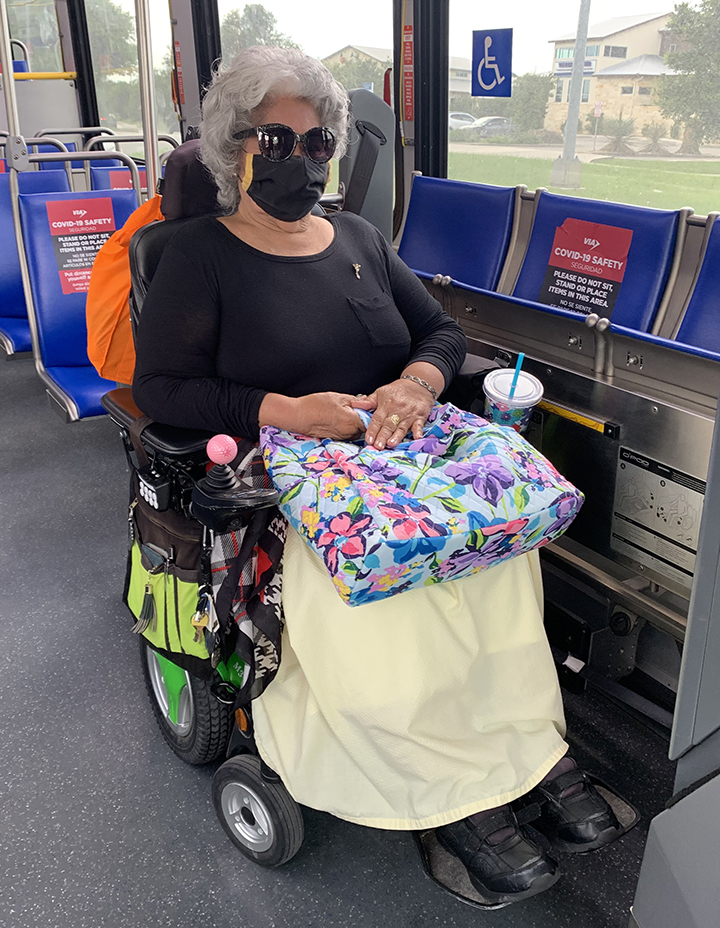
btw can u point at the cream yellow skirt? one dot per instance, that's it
(417, 710)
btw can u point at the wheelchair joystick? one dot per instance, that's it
(220, 500)
(221, 450)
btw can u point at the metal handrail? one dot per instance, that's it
(93, 142)
(37, 142)
(147, 90)
(95, 156)
(45, 75)
(82, 130)
(116, 139)
(24, 48)
(6, 64)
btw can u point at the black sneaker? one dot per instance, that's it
(576, 823)
(510, 871)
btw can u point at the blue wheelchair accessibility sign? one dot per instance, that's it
(492, 63)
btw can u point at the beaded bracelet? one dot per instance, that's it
(423, 383)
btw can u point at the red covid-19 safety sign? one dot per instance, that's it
(586, 267)
(79, 229)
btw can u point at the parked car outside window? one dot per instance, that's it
(459, 120)
(488, 125)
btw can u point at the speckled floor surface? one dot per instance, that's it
(100, 824)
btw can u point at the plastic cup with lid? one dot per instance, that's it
(514, 412)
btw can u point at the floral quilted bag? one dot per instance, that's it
(466, 496)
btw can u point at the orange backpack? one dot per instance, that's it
(110, 341)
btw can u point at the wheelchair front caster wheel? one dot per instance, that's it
(259, 816)
(192, 721)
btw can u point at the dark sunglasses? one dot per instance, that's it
(277, 142)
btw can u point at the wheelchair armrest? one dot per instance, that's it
(468, 384)
(168, 440)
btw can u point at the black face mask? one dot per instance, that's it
(287, 190)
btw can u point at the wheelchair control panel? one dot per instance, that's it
(220, 499)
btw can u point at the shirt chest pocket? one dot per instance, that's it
(381, 320)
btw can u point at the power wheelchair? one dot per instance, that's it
(195, 678)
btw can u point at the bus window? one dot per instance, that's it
(648, 118)
(356, 49)
(34, 23)
(111, 26)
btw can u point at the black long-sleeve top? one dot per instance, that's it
(223, 324)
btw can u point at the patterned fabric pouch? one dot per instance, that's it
(466, 496)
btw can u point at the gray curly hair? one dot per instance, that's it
(237, 92)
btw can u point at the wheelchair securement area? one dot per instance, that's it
(631, 386)
(635, 379)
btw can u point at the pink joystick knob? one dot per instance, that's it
(221, 449)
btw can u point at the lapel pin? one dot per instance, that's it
(357, 267)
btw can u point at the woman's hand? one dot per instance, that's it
(403, 398)
(329, 415)
(319, 415)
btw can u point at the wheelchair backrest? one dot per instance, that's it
(146, 249)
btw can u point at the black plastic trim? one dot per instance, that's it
(80, 37)
(432, 27)
(206, 32)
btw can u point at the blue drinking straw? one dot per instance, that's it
(521, 358)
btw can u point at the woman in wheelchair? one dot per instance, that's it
(437, 708)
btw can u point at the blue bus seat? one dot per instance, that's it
(116, 178)
(458, 229)
(649, 259)
(60, 165)
(672, 345)
(60, 316)
(57, 165)
(20, 66)
(14, 327)
(701, 323)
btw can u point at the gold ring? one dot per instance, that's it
(395, 419)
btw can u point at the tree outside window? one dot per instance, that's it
(691, 96)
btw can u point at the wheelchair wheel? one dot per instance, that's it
(259, 816)
(192, 721)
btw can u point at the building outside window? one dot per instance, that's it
(615, 51)
(626, 90)
(559, 91)
(592, 51)
(564, 52)
(644, 91)
(585, 91)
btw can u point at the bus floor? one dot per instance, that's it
(101, 825)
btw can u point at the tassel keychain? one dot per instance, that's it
(148, 614)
